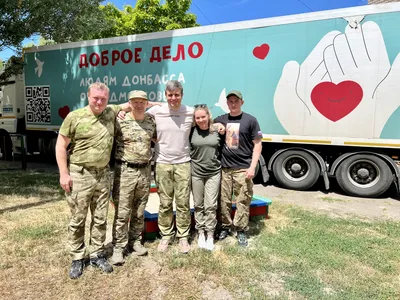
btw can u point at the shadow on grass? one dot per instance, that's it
(23, 183)
(28, 205)
(256, 225)
(18, 185)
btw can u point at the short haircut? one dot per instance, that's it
(173, 85)
(98, 86)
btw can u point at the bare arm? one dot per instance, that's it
(151, 104)
(125, 107)
(250, 173)
(61, 156)
(220, 127)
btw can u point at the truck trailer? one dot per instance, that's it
(324, 86)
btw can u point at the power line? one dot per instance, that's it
(202, 12)
(305, 5)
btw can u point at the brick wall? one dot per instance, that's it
(381, 1)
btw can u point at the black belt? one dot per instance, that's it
(132, 165)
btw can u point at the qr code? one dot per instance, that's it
(38, 104)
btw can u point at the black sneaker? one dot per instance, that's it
(223, 234)
(76, 269)
(242, 239)
(101, 262)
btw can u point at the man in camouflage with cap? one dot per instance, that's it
(89, 132)
(132, 176)
(240, 154)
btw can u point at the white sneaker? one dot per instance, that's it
(201, 240)
(210, 243)
(117, 257)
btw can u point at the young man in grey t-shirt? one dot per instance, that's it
(172, 156)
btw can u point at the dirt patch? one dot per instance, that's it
(212, 291)
(274, 284)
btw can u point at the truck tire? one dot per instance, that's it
(296, 169)
(51, 148)
(364, 175)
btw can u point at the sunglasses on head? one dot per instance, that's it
(200, 105)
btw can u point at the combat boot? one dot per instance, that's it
(101, 262)
(117, 257)
(139, 248)
(76, 269)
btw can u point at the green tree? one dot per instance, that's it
(41, 42)
(59, 21)
(147, 16)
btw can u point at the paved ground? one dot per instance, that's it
(334, 202)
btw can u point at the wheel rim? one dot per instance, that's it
(295, 168)
(363, 173)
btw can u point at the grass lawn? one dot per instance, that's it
(294, 255)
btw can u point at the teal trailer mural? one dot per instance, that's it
(333, 77)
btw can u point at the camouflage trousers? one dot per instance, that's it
(234, 182)
(205, 196)
(173, 182)
(130, 194)
(90, 190)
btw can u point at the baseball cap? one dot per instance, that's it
(137, 94)
(236, 93)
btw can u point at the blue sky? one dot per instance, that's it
(222, 11)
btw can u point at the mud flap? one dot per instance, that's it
(264, 170)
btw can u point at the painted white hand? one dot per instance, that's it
(387, 96)
(292, 101)
(359, 55)
(341, 102)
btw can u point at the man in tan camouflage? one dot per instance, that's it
(132, 176)
(90, 132)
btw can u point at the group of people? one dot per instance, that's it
(214, 159)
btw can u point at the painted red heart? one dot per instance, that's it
(336, 101)
(261, 52)
(63, 111)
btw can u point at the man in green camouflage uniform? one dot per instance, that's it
(89, 132)
(132, 176)
(240, 155)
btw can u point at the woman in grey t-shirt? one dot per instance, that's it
(205, 144)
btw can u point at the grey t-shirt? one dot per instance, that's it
(205, 152)
(173, 129)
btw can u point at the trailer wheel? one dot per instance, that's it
(51, 148)
(364, 175)
(296, 170)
